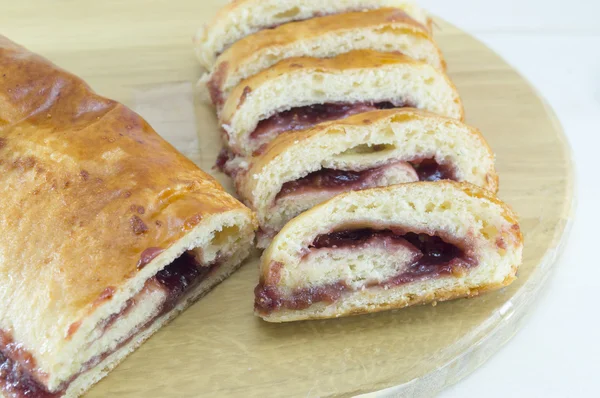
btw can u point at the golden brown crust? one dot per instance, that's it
(219, 23)
(223, 12)
(315, 27)
(393, 19)
(87, 186)
(359, 59)
(386, 18)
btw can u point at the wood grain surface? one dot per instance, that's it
(140, 52)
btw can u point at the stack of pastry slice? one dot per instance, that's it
(344, 134)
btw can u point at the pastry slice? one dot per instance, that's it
(302, 169)
(385, 248)
(241, 18)
(299, 93)
(107, 231)
(385, 30)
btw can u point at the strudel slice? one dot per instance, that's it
(385, 30)
(241, 18)
(385, 248)
(302, 169)
(298, 93)
(107, 231)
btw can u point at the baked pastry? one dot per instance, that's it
(107, 231)
(241, 18)
(302, 169)
(384, 248)
(298, 93)
(385, 30)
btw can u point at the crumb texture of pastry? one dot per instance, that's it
(384, 30)
(241, 18)
(107, 231)
(298, 93)
(385, 248)
(301, 169)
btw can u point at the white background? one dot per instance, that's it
(556, 46)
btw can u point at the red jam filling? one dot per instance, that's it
(436, 255)
(268, 298)
(224, 156)
(180, 276)
(332, 179)
(17, 382)
(348, 180)
(437, 258)
(177, 278)
(307, 116)
(223, 163)
(431, 170)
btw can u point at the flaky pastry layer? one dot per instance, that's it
(362, 142)
(385, 30)
(243, 17)
(422, 242)
(356, 77)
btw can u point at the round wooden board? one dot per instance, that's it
(140, 53)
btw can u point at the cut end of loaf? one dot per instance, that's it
(388, 30)
(245, 17)
(299, 170)
(388, 248)
(358, 78)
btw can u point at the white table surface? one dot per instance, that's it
(556, 46)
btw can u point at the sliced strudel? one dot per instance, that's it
(384, 248)
(302, 169)
(385, 30)
(107, 231)
(243, 17)
(299, 93)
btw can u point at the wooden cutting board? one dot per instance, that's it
(140, 52)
